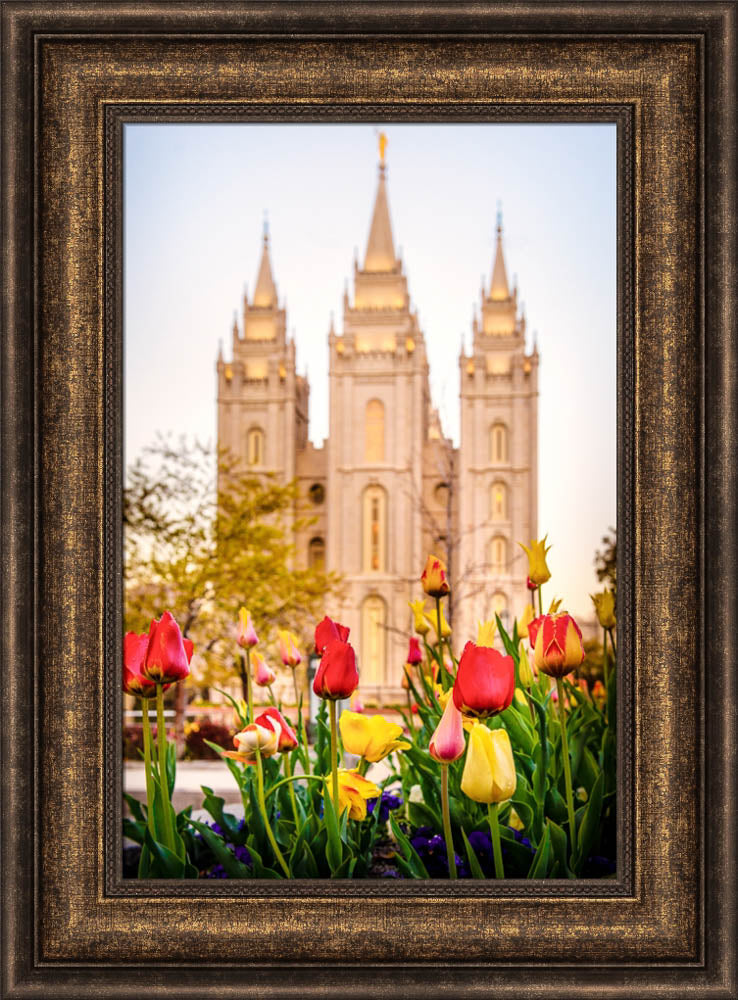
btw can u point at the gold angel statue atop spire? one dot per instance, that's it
(382, 147)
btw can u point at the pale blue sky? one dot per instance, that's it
(195, 200)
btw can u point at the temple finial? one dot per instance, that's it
(382, 148)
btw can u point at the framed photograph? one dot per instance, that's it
(154, 160)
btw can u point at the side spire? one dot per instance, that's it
(265, 293)
(499, 288)
(380, 249)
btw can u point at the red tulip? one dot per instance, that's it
(557, 644)
(434, 579)
(530, 585)
(337, 676)
(287, 735)
(327, 631)
(485, 681)
(168, 655)
(134, 651)
(414, 652)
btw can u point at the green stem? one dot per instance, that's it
(334, 753)
(292, 777)
(605, 671)
(301, 731)
(494, 829)
(444, 674)
(271, 696)
(147, 765)
(447, 823)
(249, 692)
(567, 765)
(161, 736)
(264, 816)
(288, 774)
(540, 600)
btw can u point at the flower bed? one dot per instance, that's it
(504, 767)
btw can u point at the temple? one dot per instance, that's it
(387, 487)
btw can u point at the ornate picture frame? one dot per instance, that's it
(72, 76)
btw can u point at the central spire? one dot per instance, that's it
(380, 248)
(265, 293)
(499, 289)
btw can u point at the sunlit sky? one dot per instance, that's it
(195, 201)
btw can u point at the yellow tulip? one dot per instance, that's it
(514, 820)
(433, 622)
(486, 632)
(353, 791)
(370, 737)
(524, 669)
(418, 609)
(537, 569)
(554, 606)
(525, 619)
(605, 607)
(489, 769)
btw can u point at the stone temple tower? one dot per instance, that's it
(262, 402)
(380, 418)
(498, 457)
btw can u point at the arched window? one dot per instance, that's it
(499, 607)
(498, 443)
(373, 640)
(498, 555)
(255, 446)
(498, 502)
(374, 530)
(374, 423)
(316, 553)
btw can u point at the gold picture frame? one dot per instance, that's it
(72, 76)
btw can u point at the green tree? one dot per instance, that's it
(606, 562)
(202, 554)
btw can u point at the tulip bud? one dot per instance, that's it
(168, 655)
(246, 636)
(486, 632)
(263, 675)
(485, 681)
(356, 704)
(526, 618)
(447, 742)
(256, 736)
(605, 607)
(406, 677)
(433, 578)
(414, 652)
(489, 769)
(370, 737)
(557, 644)
(524, 671)
(538, 571)
(327, 631)
(337, 676)
(287, 735)
(419, 624)
(288, 648)
(530, 585)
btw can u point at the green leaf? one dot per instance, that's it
(241, 718)
(138, 809)
(423, 815)
(171, 767)
(590, 825)
(539, 865)
(165, 864)
(506, 640)
(225, 857)
(213, 804)
(471, 857)
(408, 851)
(134, 831)
(334, 848)
(519, 731)
(560, 844)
